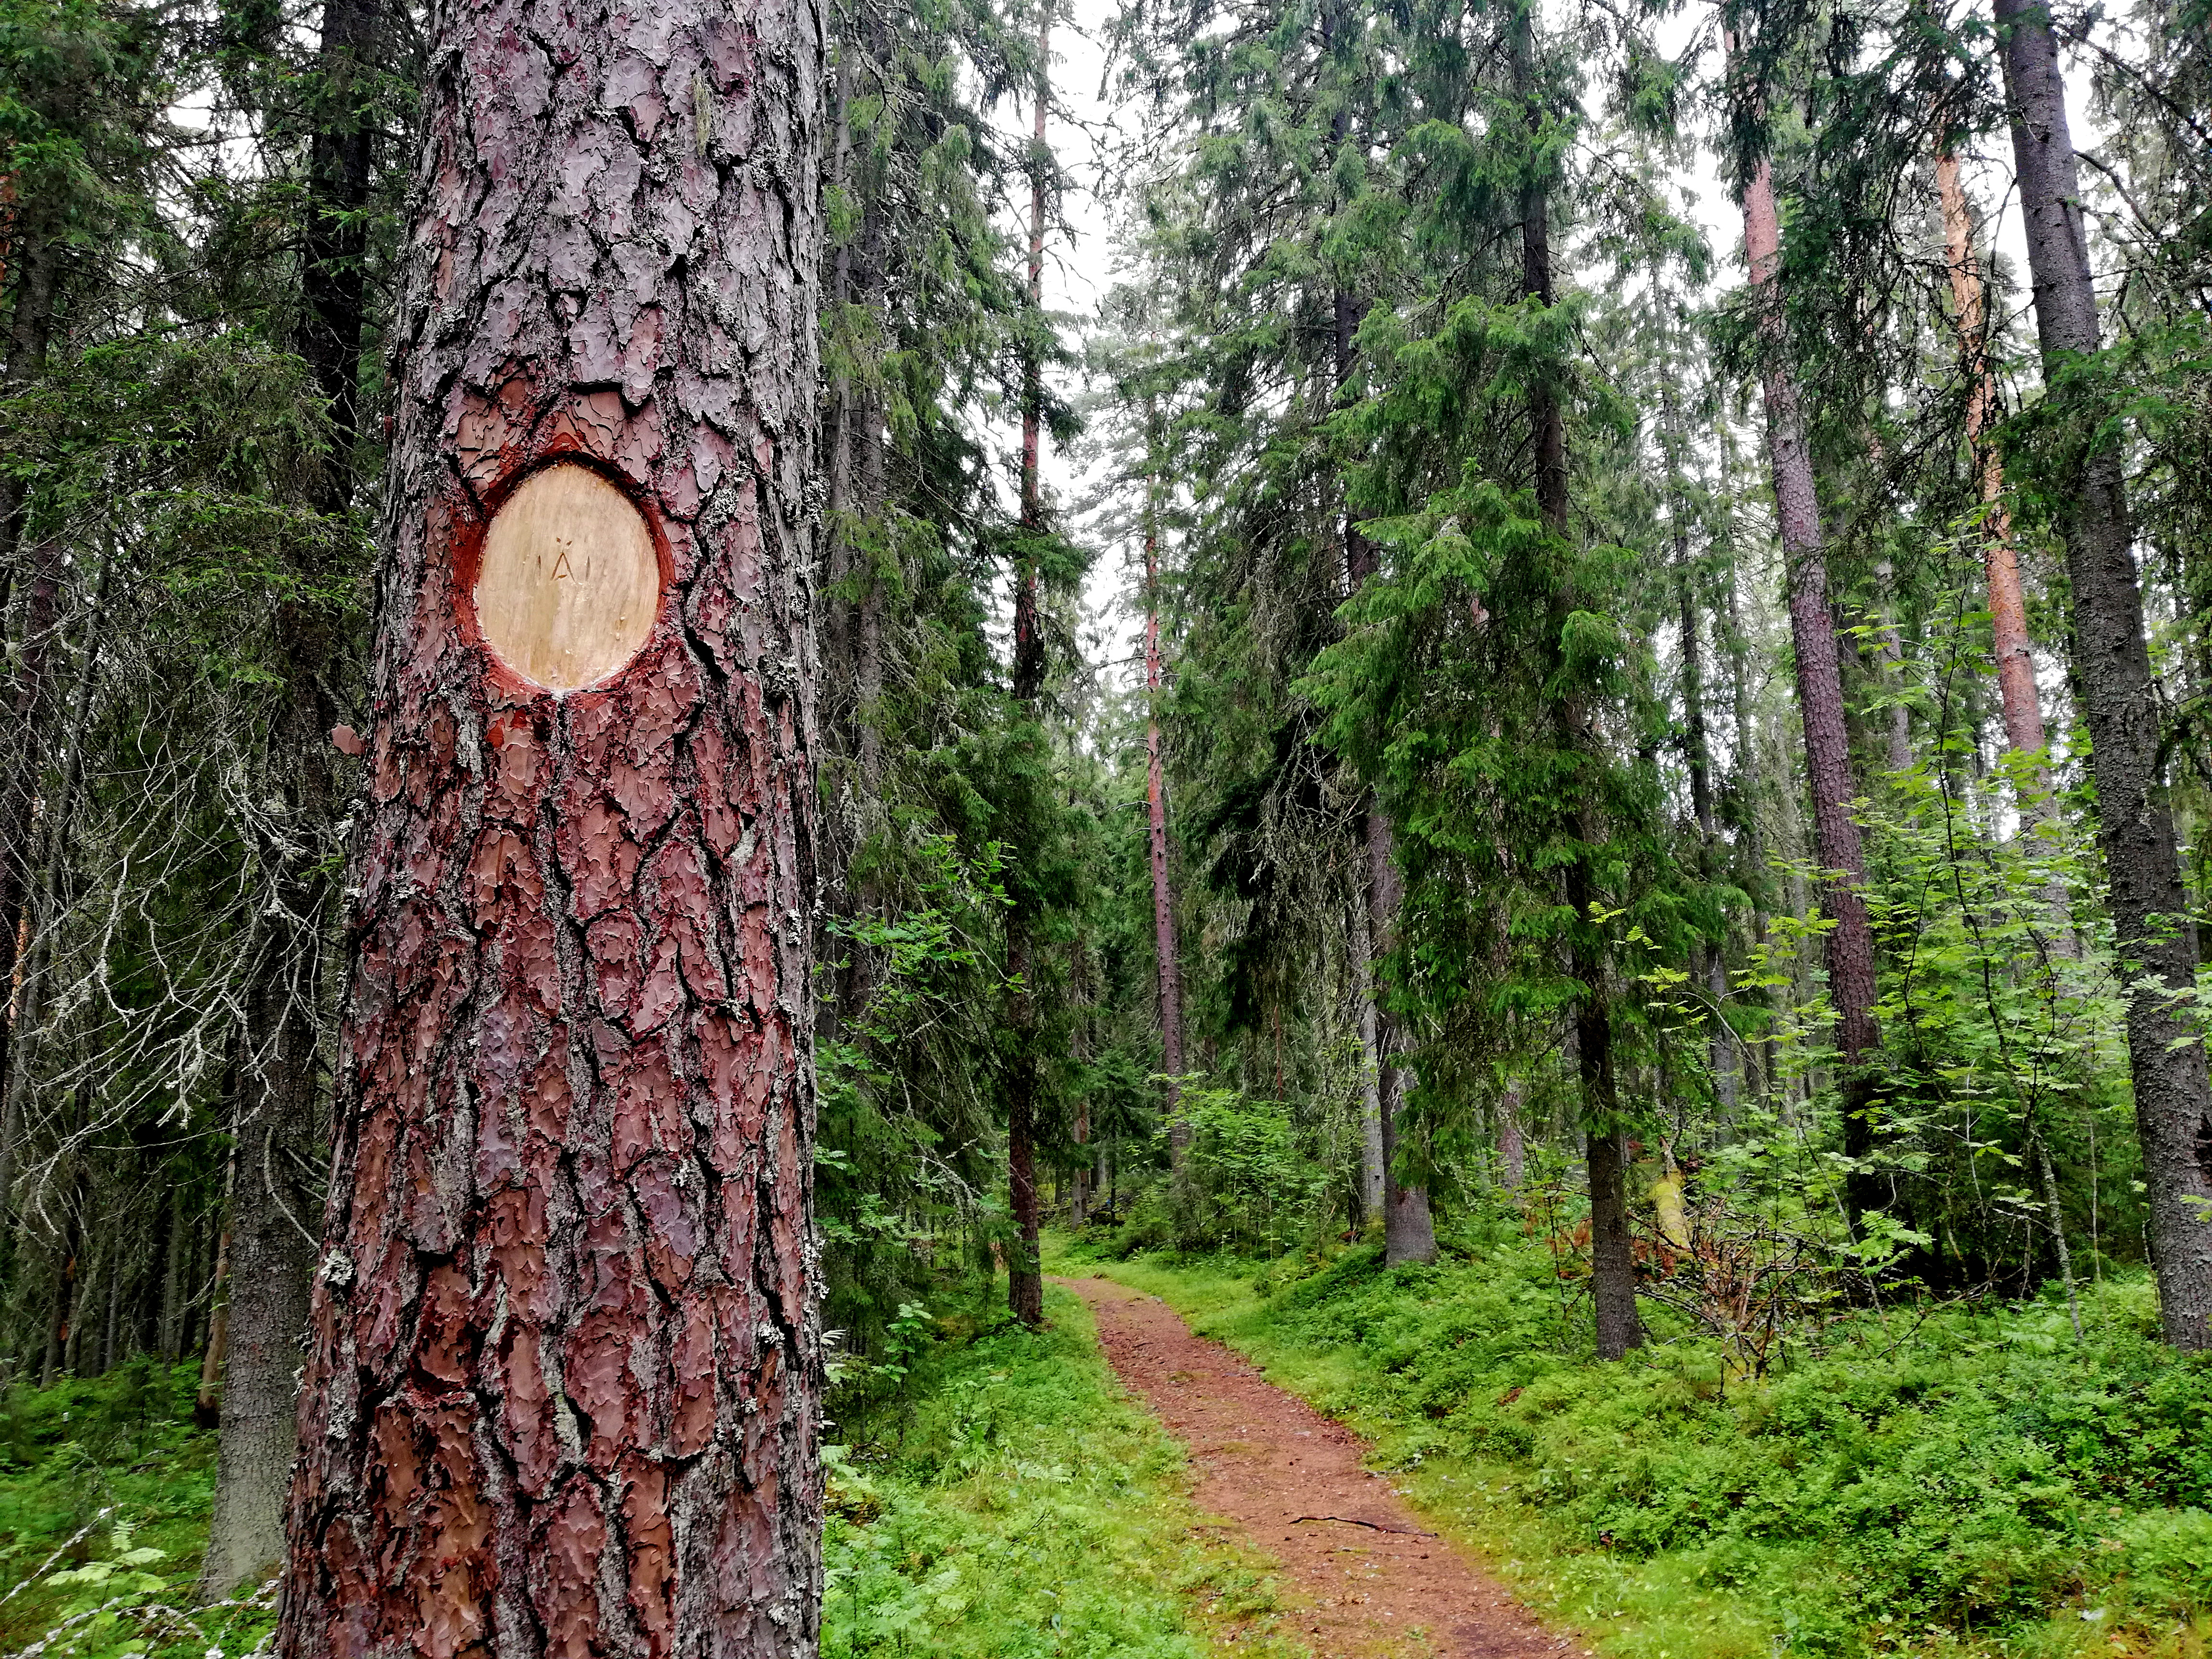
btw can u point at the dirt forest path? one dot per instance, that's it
(1368, 1579)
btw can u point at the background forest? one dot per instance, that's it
(1654, 806)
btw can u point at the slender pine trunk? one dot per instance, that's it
(1820, 700)
(2156, 939)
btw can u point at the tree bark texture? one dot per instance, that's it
(1820, 696)
(2016, 662)
(1024, 1268)
(2173, 1101)
(1371, 1078)
(562, 1392)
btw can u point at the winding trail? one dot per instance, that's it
(1368, 1579)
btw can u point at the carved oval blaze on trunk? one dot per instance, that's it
(562, 1389)
(567, 588)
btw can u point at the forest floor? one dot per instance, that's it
(1952, 1481)
(1368, 1577)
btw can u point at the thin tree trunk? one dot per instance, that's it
(1714, 961)
(1408, 1229)
(1512, 1151)
(19, 793)
(1025, 1271)
(1156, 805)
(2016, 662)
(274, 1198)
(564, 1375)
(1370, 1071)
(1820, 698)
(1613, 1267)
(2156, 938)
(173, 1244)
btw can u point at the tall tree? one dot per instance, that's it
(563, 1386)
(1613, 1263)
(1026, 1275)
(2016, 692)
(278, 1125)
(1170, 968)
(1850, 944)
(2155, 937)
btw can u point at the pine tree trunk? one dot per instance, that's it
(2016, 662)
(1512, 1152)
(564, 1375)
(1408, 1229)
(2173, 1101)
(1820, 700)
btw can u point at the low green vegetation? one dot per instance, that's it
(105, 1487)
(1010, 1504)
(1914, 1478)
(998, 1497)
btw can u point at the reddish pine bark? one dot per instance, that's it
(562, 1392)
(2023, 709)
(1025, 1271)
(2111, 658)
(1820, 696)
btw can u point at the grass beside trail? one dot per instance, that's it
(1014, 1505)
(1976, 1482)
(1022, 1507)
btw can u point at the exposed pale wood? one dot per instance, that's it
(569, 589)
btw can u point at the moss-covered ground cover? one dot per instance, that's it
(1930, 1482)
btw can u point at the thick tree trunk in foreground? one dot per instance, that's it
(2173, 1101)
(562, 1392)
(275, 1200)
(1025, 1269)
(1819, 699)
(1156, 806)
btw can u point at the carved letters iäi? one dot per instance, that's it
(569, 586)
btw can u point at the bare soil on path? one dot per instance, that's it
(1368, 1577)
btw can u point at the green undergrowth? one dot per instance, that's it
(105, 1488)
(1952, 1481)
(1016, 1504)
